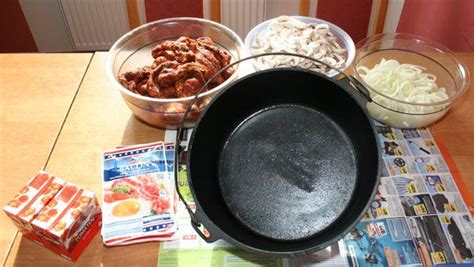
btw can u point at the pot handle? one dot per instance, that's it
(195, 216)
(206, 232)
(209, 235)
(364, 94)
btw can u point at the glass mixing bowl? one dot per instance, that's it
(133, 50)
(450, 72)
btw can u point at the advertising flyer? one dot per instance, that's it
(459, 229)
(417, 205)
(417, 199)
(403, 185)
(439, 183)
(385, 242)
(384, 207)
(430, 240)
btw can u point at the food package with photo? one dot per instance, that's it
(384, 207)
(448, 202)
(417, 205)
(440, 183)
(139, 195)
(430, 240)
(459, 229)
(400, 165)
(403, 185)
(387, 133)
(431, 164)
(422, 147)
(385, 242)
(410, 133)
(394, 148)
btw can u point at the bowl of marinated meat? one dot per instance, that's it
(160, 67)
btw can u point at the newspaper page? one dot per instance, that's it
(418, 216)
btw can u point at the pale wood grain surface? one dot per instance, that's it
(35, 93)
(99, 120)
(457, 129)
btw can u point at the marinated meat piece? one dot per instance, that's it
(158, 61)
(188, 87)
(212, 65)
(221, 55)
(167, 77)
(166, 45)
(205, 40)
(152, 89)
(179, 56)
(190, 44)
(134, 79)
(165, 67)
(224, 59)
(191, 79)
(167, 54)
(184, 57)
(180, 69)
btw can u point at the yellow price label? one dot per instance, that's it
(420, 209)
(403, 170)
(381, 211)
(411, 188)
(367, 216)
(450, 207)
(440, 187)
(445, 220)
(438, 257)
(430, 168)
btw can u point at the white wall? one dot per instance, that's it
(48, 25)
(277, 8)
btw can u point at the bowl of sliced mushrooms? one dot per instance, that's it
(307, 36)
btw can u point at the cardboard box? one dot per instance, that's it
(31, 199)
(58, 215)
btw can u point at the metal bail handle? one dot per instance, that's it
(352, 81)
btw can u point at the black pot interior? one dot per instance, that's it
(258, 92)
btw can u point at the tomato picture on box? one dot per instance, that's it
(31, 200)
(59, 215)
(65, 214)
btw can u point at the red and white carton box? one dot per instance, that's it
(31, 199)
(55, 214)
(65, 215)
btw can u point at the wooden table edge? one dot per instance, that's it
(91, 55)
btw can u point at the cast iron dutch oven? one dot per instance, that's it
(283, 161)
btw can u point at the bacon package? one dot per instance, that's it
(56, 214)
(138, 195)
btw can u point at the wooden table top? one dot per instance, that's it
(36, 91)
(98, 121)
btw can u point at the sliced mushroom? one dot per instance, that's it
(287, 34)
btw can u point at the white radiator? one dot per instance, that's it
(95, 25)
(242, 15)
